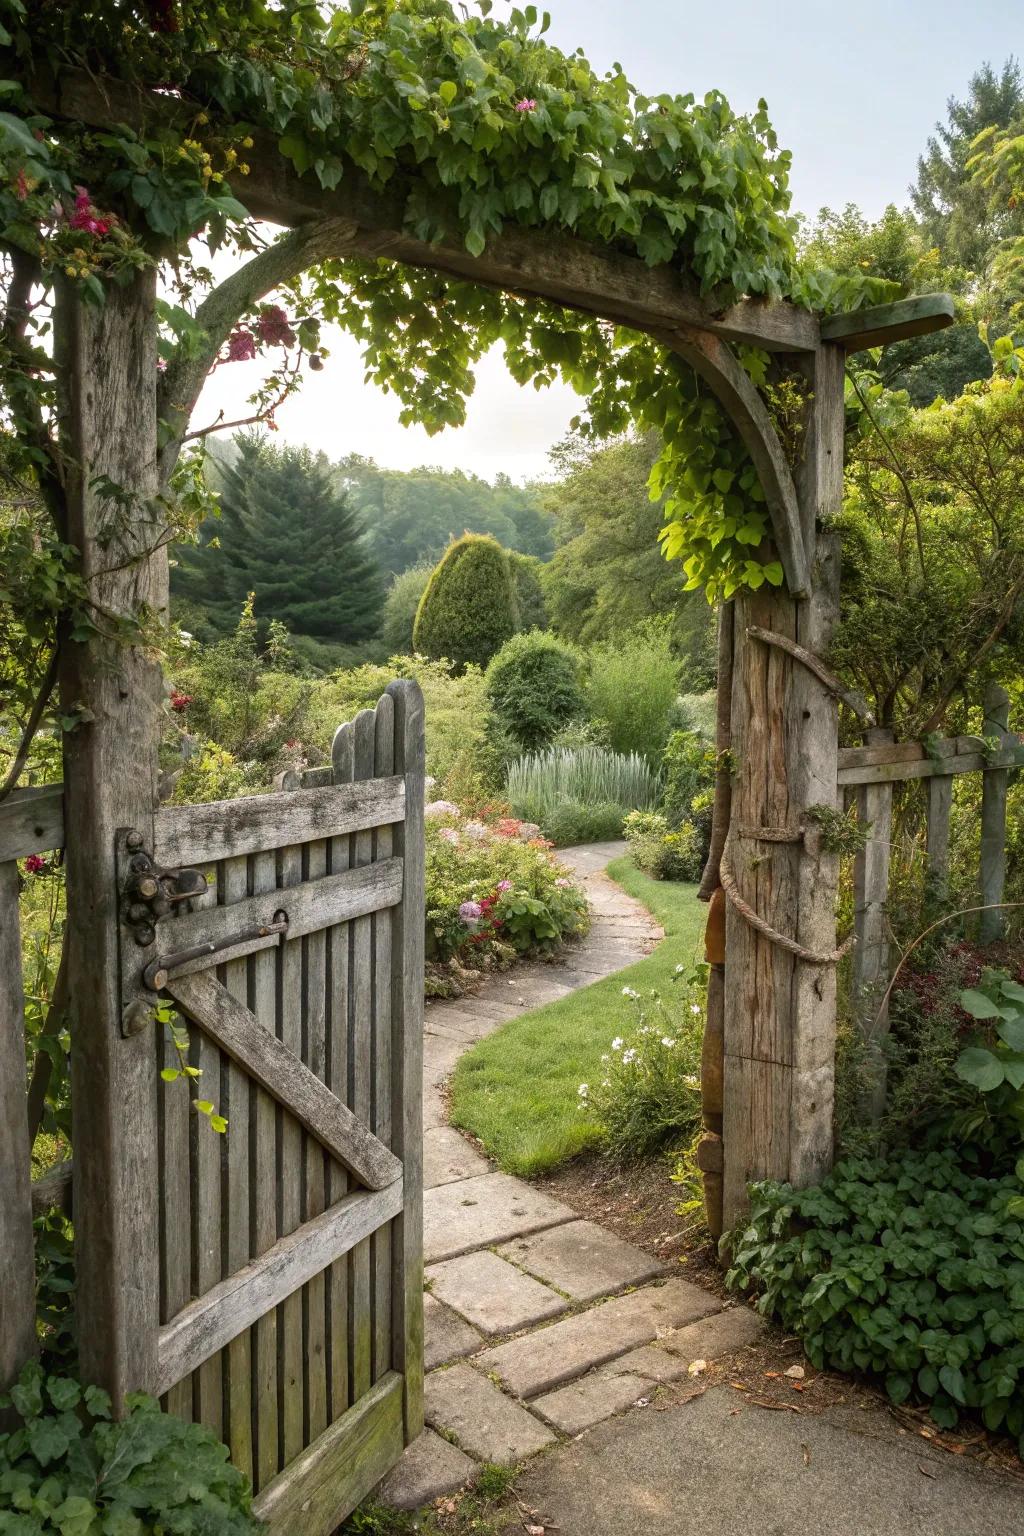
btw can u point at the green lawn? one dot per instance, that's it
(517, 1090)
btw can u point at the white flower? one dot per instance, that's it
(692, 1081)
(695, 1007)
(441, 808)
(628, 1056)
(617, 1043)
(667, 1041)
(476, 830)
(606, 1058)
(606, 1082)
(646, 1029)
(680, 969)
(582, 1090)
(628, 992)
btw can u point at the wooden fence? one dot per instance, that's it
(275, 1284)
(867, 778)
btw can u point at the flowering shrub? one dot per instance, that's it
(662, 854)
(491, 895)
(649, 1095)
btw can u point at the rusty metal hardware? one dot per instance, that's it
(158, 972)
(151, 891)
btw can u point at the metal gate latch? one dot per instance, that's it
(152, 891)
(158, 972)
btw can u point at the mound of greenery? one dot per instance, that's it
(534, 688)
(469, 607)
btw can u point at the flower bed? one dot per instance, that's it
(494, 892)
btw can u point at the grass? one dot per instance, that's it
(517, 1090)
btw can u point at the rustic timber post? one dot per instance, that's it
(993, 818)
(871, 953)
(108, 441)
(780, 1002)
(17, 1267)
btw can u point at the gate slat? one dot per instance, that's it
(222, 829)
(361, 1059)
(206, 1325)
(383, 766)
(340, 941)
(289, 1176)
(175, 1217)
(206, 1204)
(264, 1203)
(238, 1363)
(313, 1052)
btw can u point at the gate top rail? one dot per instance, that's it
(31, 821)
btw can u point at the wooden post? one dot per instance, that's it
(17, 1253)
(108, 436)
(871, 952)
(779, 1008)
(993, 818)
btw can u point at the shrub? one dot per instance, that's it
(469, 607)
(489, 894)
(68, 1468)
(632, 684)
(398, 615)
(526, 571)
(689, 770)
(590, 778)
(570, 822)
(534, 688)
(649, 1096)
(908, 1268)
(662, 854)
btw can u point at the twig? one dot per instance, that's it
(36, 713)
(991, 906)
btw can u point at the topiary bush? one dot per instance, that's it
(534, 687)
(911, 1268)
(469, 608)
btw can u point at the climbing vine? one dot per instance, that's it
(469, 125)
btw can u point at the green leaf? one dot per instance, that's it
(48, 1440)
(981, 1068)
(978, 1005)
(476, 242)
(447, 91)
(63, 1393)
(74, 1516)
(953, 1380)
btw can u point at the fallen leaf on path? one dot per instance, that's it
(806, 1454)
(695, 1367)
(739, 1386)
(926, 1471)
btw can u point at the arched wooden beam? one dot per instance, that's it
(709, 357)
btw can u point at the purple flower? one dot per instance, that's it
(449, 834)
(504, 885)
(526, 105)
(469, 912)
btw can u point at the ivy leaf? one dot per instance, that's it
(63, 1393)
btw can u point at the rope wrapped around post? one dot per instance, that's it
(746, 911)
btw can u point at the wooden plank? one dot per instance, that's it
(109, 411)
(338, 939)
(407, 941)
(220, 829)
(871, 952)
(939, 791)
(335, 1473)
(284, 1074)
(993, 820)
(928, 768)
(882, 324)
(206, 1325)
(264, 1202)
(309, 906)
(289, 1174)
(380, 1243)
(542, 263)
(361, 1062)
(233, 978)
(175, 1207)
(314, 1047)
(17, 1243)
(870, 756)
(206, 1203)
(712, 360)
(31, 821)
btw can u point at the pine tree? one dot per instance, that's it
(286, 533)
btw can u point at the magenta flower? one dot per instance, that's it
(274, 328)
(85, 217)
(241, 345)
(35, 864)
(504, 885)
(528, 104)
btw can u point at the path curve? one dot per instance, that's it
(538, 1324)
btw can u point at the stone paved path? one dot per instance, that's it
(538, 1325)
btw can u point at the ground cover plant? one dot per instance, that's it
(518, 1090)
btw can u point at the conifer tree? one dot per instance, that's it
(287, 534)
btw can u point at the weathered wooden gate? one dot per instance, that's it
(275, 1290)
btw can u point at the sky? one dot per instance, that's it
(853, 90)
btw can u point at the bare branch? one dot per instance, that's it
(35, 716)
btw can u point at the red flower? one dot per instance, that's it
(180, 701)
(85, 217)
(35, 864)
(241, 345)
(274, 328)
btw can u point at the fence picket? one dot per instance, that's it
(993, 818)
(17, 1269)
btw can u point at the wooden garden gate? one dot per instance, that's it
(274, 1275)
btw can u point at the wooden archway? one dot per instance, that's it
(773, 1004)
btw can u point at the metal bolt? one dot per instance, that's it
(134, 840)
(145, 935)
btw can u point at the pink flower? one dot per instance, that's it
(273, 327)
(469, 912)
(449, 834)
(35, 864)
(241, 345)
(180, 701)
(526, 105)
(504, 885)
(562, 883)
(85, 217)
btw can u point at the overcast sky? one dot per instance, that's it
(853, 90)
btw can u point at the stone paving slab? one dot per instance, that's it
(486, 1423)
(446, 1335)
(492, 1294)
(447, 1156)
(582, 1404)
(429, 1468)
(545, 1359)
(477, 1213)
(712, 1337)
(583, 1260)
(434, 1112)
(439, 1058)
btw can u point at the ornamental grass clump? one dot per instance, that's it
(647, 1099)
(602, 785)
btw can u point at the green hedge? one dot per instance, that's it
(909, 1268)
(469, 608)
(534, 687)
